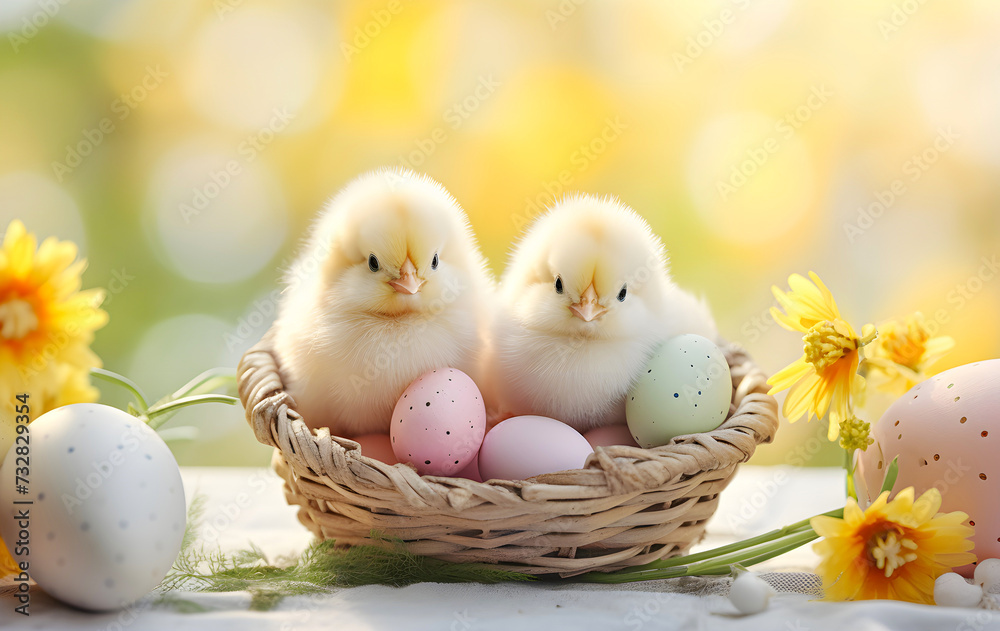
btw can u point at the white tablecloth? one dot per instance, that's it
(246, 505)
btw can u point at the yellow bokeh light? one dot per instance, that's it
(233, 75)
(751, 177)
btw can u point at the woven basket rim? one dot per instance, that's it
(270, 411)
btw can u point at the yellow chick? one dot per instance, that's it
(585, 300)
(391, 284)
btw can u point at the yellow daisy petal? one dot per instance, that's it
(787, 376)
(812, 303)
(826, 526)
(801, 398)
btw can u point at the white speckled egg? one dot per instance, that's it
(439, 422)
(686, 389)
(108, 515)
(945, 432)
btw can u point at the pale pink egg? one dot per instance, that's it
(525, 446)
(610, 435)
(377, 446)
(439, 422)
(946, 432)
(471, 471)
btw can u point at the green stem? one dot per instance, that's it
(206, 381)
(772, 535)
(722, 559)
(849, 468)
(789, 545)
(890, 476)
(125, 382)
(741, 556)
(718, 566)
(173, 406)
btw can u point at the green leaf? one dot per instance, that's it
(890, 476)
(159, 414)
(123, 381)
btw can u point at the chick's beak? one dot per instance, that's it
(408, 281)
(588, 308)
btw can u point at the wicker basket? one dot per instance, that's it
(627, 507)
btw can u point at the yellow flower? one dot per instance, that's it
(854, 434)
(903, 352)
(46, 327)
(893, 550)
(826, 377)
(46, 322)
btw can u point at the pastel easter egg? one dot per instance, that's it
(686, 389)
(377, 446)
(439, 422)
(108, 514)
(945, 432)
(610, 435)
(525, 446)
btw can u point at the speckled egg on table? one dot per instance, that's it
(686, 389)
(945, 432)
(439, 423)
(108, 514)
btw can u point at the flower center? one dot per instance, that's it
(854, 434)
(890, 552)
(825, 344)
(906, 347)
(17, 319)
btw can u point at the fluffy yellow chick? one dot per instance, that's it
(584, 301)
(391, 284)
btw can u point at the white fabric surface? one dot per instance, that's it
(246, 505)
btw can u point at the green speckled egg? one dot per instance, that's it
(686, 389)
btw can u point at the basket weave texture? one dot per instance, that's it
(627, 506)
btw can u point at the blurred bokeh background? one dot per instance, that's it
(185, 145)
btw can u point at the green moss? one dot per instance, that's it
(322, 567)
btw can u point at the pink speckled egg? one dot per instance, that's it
(377, 446)
(610, 435)
(439, 422)
(525, 446)
(946, 432)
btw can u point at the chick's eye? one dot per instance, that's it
(621, 294)
(373, 263)
(559, 287)
(434, 261)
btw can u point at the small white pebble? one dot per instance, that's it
(750, 593)
(987, 575)
(951, 590)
